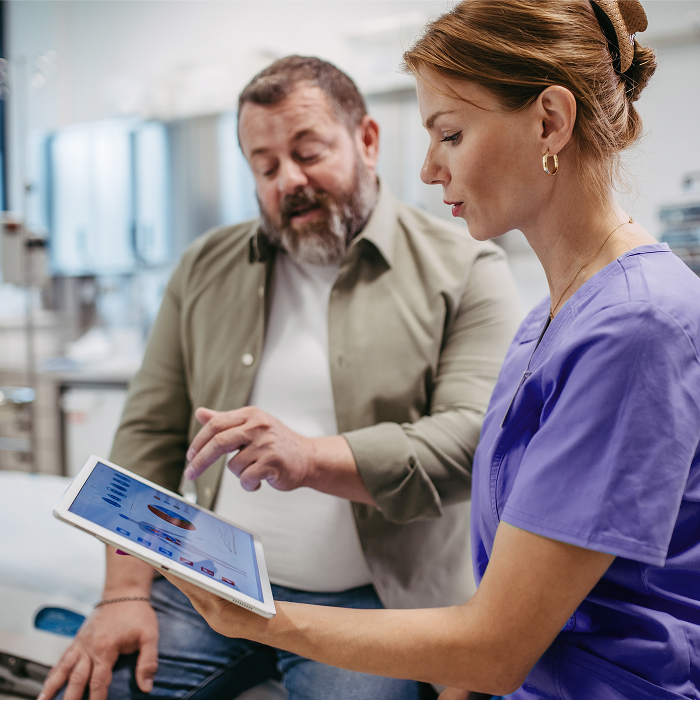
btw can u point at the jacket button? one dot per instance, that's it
(247, 359)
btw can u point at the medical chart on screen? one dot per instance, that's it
(170, 527)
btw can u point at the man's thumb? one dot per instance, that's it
(202, 414)
(147, 665)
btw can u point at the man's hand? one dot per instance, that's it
(114, 629)
(267, 449)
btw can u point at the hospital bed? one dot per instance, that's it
(50, 578)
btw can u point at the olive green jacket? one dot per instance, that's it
(420, 320)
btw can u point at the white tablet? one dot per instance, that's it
(169, 533)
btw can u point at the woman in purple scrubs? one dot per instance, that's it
(586, 497)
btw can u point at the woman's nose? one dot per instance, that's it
(432, 173)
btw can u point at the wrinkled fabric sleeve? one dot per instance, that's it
(414, 470)
(608, 466)
(152, 436)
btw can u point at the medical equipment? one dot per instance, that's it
(681, 222)
(15, 418)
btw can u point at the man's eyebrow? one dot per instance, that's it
(430, 122)
(262, 150)
(303, 133)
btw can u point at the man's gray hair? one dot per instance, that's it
(274, 83)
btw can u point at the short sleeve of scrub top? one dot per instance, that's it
(592, 438)
(608, 464)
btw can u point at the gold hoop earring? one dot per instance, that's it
(546, 168)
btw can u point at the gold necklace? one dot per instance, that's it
(590, 260)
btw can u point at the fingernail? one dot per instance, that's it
(190, 455)
(41, 696)
(148, 685)
(190, 474)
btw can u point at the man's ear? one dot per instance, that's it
(367, 135)
(556, 111)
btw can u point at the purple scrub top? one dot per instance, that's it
(592, 438)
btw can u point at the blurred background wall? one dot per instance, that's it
(83, 61)
(121, 148)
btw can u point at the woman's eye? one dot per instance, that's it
(452, 138)
(308, 159)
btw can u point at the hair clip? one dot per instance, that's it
(620, 21)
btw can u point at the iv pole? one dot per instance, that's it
(27, 274)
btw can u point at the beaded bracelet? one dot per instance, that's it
(122, 598)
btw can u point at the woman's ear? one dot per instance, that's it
(556, 108)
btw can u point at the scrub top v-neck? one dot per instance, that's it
(592, 437)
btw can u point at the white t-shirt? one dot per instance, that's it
(310, 538)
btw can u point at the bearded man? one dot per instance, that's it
(337, 355)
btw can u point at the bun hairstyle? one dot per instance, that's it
(517, 48)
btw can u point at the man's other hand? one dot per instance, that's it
(115, 629)
(267, 449)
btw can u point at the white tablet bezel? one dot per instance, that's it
(265, 608)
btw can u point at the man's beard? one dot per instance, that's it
(325, 239)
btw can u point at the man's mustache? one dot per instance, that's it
(307, 198)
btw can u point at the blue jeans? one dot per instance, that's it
(197, 663)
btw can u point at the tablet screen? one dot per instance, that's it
(170, 527)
